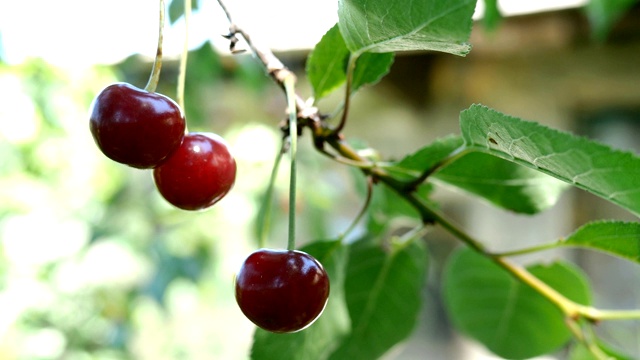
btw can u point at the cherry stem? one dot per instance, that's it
(182, 75)
(289, 86)
(265, 208)
(157, 63)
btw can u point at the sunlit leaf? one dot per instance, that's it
(503, 183)
(370, 68)
(614, 237)
(413, 165)
(396, 25)
(327, 65)
(508, 317)
(611, 174)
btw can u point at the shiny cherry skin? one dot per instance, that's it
(198, 174)
(136, 127)
(282, 291)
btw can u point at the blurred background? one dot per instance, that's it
(94, 264)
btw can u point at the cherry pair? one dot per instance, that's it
(146, 130)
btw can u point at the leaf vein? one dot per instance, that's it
(417, 29)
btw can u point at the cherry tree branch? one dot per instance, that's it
(310, 117)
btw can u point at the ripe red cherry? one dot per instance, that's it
(198, 174)
(135, 127)
(282, 290)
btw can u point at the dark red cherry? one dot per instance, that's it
(135, 127)
(282, 290)
(198, 174)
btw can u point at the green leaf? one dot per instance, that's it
(370, 68)
(397, 25)
(580, 352)
(386, 206)
(324, 335)
(383, 292)
(611, 174)
(614, 237)
(327, 65)
(603, 14)
(503, 183)
(508, 317)
(413, 165)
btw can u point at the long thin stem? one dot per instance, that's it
(455, 155)
(598, 314)
(182, 75)
(289, 85)
(524, 251)
(347, 161)
(154, 78)
(265, 208)
(347, 97)
(226, 11)
(363, 210)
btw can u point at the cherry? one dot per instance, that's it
(136, 127)
(282, 290)
(198, 174)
